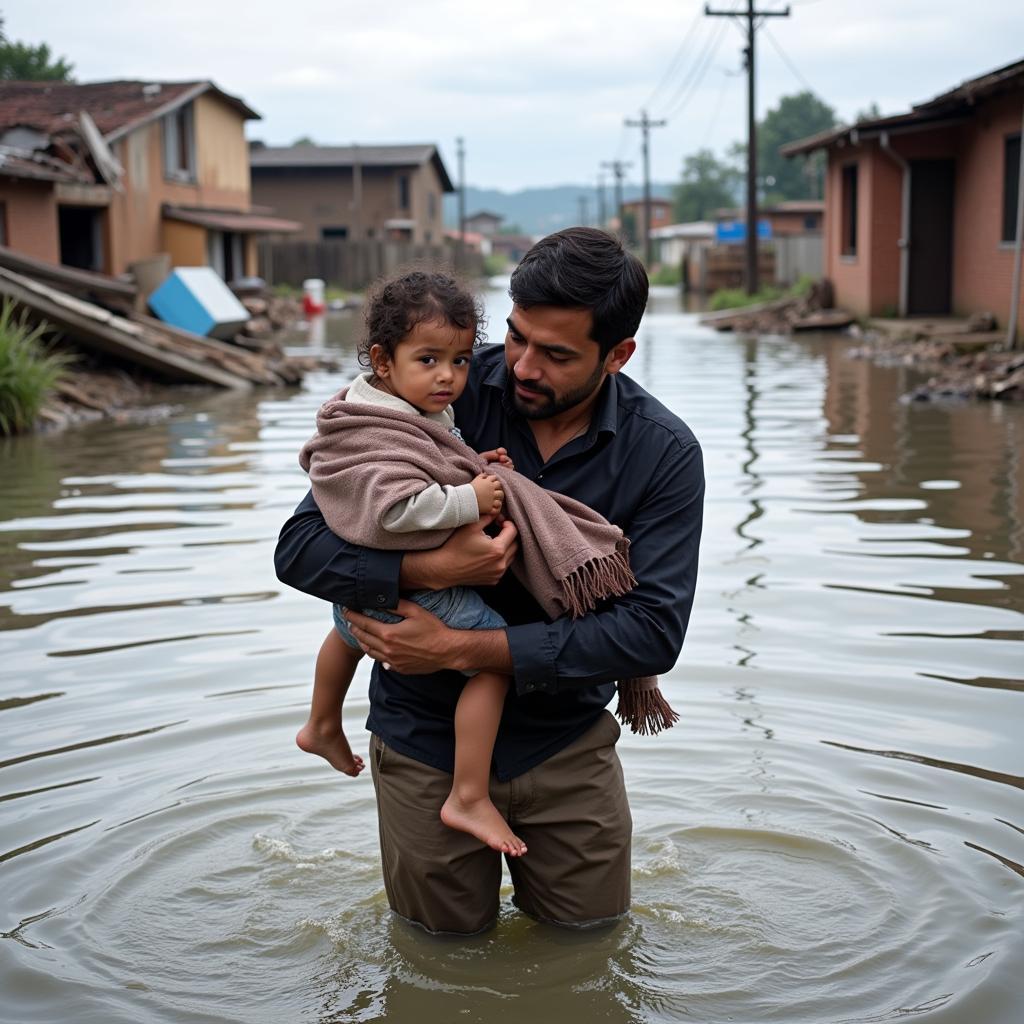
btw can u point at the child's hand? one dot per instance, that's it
(499, 455)
(489, 494)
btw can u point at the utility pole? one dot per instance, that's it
(602, 206)
(618, 169)
(748, 52)
(460, 252)
(646, 124)
(584, 211)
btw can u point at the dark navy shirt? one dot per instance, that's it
(640, 467)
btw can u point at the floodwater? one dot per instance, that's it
(833, 833)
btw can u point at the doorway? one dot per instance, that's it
(930, 284)
(81, 237)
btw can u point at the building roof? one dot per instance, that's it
(38, 167)
(654, 199)
(255, 221)
(950, 106)
(116, 107)
(795, 206)
(696, 229)
(263, 158)
(485, 215)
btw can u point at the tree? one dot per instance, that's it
(871, 112)
(23, 62)
(304, 140)
(707, 184)
(794, 118)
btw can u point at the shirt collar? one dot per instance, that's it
(606, 409)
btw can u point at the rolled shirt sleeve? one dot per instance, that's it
(641, 633)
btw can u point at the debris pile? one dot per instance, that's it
(964, 360)
(812, 311)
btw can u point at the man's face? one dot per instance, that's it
(553, 363)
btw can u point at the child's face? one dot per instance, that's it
(430, 365)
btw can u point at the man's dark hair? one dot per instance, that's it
(396, 305)
(583, 268)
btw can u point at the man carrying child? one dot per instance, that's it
(553, 398)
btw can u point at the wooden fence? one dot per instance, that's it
(354, 265)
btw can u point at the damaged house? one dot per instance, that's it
(101, 175)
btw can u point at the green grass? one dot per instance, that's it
(737, 298)
(667, 274)
(27, 370)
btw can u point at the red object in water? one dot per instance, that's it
(311, 307)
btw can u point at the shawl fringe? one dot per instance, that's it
(643, 707)
(596, 580)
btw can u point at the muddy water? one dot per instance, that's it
(833, 832)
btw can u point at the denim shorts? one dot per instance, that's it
(458, 607)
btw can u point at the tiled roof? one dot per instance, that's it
(37, 167)
(116, 107)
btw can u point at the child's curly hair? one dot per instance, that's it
(396, 305)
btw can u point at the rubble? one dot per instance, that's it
(812, 311)
(963, 362)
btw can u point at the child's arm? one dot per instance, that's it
(436, 507)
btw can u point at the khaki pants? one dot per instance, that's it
(571, 811)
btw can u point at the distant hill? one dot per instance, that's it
(539, 211)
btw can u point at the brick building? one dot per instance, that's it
(921, 207)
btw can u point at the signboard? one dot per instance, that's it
(736, 231)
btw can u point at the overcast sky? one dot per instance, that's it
(538, 88)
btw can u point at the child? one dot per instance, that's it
(389, 469)
(422, 328)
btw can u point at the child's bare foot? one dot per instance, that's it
(330, 744)
(480, 818)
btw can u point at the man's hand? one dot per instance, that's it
(468, 558)
(421, 643)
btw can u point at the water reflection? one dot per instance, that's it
(829, 834)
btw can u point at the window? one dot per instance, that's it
(811, 222)
(403, 191)
(1011, 183)
(179, 145)
(849, 211)
(333, 234)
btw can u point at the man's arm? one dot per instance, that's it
(639, 634)
(310, 558)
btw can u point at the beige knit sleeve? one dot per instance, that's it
(436, 507)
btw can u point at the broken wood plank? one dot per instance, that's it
(94, 327)
(823, 320)
(70, 279)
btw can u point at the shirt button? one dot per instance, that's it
(381, 599)
(540, 476)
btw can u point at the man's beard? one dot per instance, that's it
(555, 404)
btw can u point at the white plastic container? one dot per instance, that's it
(313, 296)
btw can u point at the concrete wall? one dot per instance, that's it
(982, 263)
(31, 218)
(869, 283)
(323, 197)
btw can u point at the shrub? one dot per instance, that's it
(667, 273)
(27, 370)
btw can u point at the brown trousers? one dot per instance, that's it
(571, 811)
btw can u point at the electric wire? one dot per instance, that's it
(671, 69)
(689, 87)
(792, 67)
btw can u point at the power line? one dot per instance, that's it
(698, 71)
(646, 124)
(726, 75)
(670, 70)
(792, 67)
(751, 17)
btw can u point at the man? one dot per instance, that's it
(555, 399)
